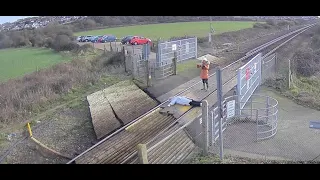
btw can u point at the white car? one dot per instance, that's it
(79, 38)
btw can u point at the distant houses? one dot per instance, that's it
(41, 21)
(36, 22)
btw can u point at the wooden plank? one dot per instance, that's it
(103, 119)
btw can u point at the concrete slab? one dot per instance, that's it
(212, 59)
(123, 100)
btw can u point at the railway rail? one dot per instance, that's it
(120, 146)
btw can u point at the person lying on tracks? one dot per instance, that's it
(182, 100)
(204, 75)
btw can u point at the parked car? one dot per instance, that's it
(136, 40)
(100, 39)
(79, 38)
(126, 39)
(95, 39)
(86, 38)
(108, 38)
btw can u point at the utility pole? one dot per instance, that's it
(211, 31)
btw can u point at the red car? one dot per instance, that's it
(136, 40)
(100, 39)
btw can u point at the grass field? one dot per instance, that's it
(168, 30)
(20, 61)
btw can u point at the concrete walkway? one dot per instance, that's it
(294, 139)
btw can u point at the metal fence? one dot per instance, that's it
(258, 120)
(248, 79)
(185, 48)
(268, 67)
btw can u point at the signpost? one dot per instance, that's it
(314, 124)
(174, 47)
(248, 79)
(231, 108)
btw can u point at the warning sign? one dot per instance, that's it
(247, 73)
(174, 47)
(231, 108)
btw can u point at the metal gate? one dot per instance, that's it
(248, 79)
(185, 48)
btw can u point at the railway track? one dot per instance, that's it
(120, 146)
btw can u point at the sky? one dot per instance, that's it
(4, 19)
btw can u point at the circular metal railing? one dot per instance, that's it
(259, 109)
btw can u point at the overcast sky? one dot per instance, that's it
(4, 19)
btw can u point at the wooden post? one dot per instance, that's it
(111, 47)
(104, 48)
(289, 75)
(174, 63)
(123, 52)
(134, 66)
(205, 126)
(142, 154)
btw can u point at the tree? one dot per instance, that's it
(89, 23)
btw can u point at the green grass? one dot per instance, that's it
(187, 65)
(167, 30)
(20, 61)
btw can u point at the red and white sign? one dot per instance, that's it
(247, 73)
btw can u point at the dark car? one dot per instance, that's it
(108, 38)
(95, 39)
(126, 40)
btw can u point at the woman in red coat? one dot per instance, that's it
(204, 74)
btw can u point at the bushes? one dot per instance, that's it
(262, 25)
(306, 62)
(63, 43)
(20, 98)
(55, 36)
(275, 23)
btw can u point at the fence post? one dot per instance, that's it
(123, 52)
(289, 75)
(174, 62)
(134, 66)
(205, 126)
(111, 47)
(211, 129)
(251, 107)
(142, 154)
(148, 76)
(267, 112)
(275, 62)
(196, 47)
(104, 48)
(220, 109)
(239, 92)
